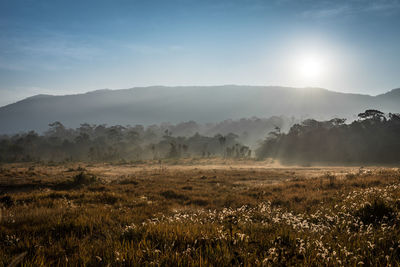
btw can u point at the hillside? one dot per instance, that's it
(149, 105)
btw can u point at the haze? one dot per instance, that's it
(54, 47)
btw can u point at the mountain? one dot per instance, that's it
(157, 104)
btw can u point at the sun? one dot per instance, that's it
(310, 67)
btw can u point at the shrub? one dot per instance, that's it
(7, 201)
(375, 213)
(84, 179)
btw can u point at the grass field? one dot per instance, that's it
(198, 212)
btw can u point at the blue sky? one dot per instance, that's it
(63, 47)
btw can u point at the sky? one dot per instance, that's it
(67, 47)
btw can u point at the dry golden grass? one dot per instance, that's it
(198, 212)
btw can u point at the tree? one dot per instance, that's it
(222, 141)
(337, 121)
(372, 114)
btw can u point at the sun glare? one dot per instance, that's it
(310, 67)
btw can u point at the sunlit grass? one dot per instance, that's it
(202, 217)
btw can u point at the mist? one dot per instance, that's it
(210, 104)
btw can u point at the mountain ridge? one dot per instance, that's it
(183, 86)
(157, 104)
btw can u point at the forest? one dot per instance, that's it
(372, 138)
(130, 143)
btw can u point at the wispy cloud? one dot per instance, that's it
(386, 6)
(327, 12)
(383, 7)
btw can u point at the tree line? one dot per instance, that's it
(115, 143)
(373, 138)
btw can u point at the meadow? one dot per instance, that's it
(198, 212)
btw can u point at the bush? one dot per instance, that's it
(7, 201)
(375, 213)
(84, 179)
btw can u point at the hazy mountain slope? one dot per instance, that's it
(391, 99)
(148, 105)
